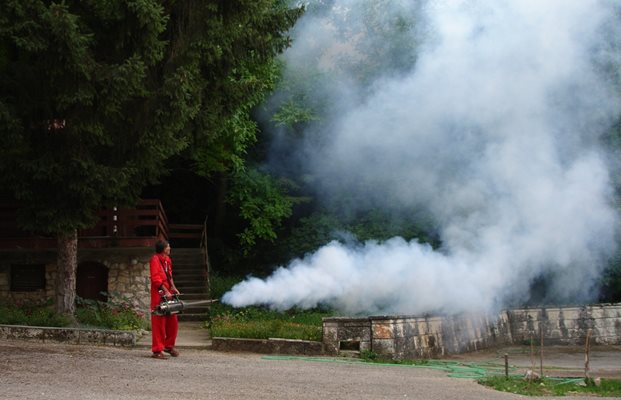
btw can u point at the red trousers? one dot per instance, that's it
(163, 332)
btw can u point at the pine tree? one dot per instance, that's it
(96, 95)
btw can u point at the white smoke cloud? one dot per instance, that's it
(495, 130)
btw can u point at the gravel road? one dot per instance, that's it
(76, 372)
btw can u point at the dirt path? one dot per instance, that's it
(73, 372)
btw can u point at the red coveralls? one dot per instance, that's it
(163, 327)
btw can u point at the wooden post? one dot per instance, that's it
(587, 351)
(532, 352)
(541, 350)
(506, 366)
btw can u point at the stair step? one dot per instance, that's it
(186, 290)
(193, 317)
(193, 292)
(190, 278)
(190, 281)
(193, 296)
(189, 275)
(190, 286)
(189, 268)
(189, 264)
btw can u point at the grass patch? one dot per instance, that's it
(260, 322)
(372, 357)
(554, 386)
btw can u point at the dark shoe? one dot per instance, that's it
(159, 355)
(172, 352)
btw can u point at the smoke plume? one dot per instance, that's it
(492, 124)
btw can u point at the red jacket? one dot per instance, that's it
(158, 265)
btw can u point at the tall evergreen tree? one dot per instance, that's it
(96, 95)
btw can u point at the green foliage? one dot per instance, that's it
(553, 386)
(114, 314)
(87, 114)
(292, 113)
(95, 96)
(236, 42)
(262, 204)
(319, 228)
(31, 314)
(219, 285)
(368, 355)
(610, 281)
(381, 35)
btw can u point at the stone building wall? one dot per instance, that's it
(128, 274)
(20, 257)
(410, 337)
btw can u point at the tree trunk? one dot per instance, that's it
(67, 265)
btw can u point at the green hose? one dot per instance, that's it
(455, 369)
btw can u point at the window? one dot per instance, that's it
(27, 277)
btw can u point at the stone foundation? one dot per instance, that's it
(410, 337)
(69, 335)
(268, 346)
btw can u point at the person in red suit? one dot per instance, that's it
(163, 327)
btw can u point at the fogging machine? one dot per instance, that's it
(175, 305)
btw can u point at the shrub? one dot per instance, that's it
(31, 314)
(117, 313)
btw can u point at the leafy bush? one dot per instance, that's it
(117, 313)
(31, 314)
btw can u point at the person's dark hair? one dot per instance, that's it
(160, 245)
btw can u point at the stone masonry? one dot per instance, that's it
(409, 337)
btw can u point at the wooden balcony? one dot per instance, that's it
(117, 227)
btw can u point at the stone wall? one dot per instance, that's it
(346, 334)
(410, 337)
(128, 274)
(8, 258)
(69, 335)
(268, 346)
(565, 325)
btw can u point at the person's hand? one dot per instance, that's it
(176, 291)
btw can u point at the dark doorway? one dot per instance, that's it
(92, 281)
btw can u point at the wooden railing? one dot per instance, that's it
(206, 264)
(117, 227)
(146, 219)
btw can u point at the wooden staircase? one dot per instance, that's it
(190, 276)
